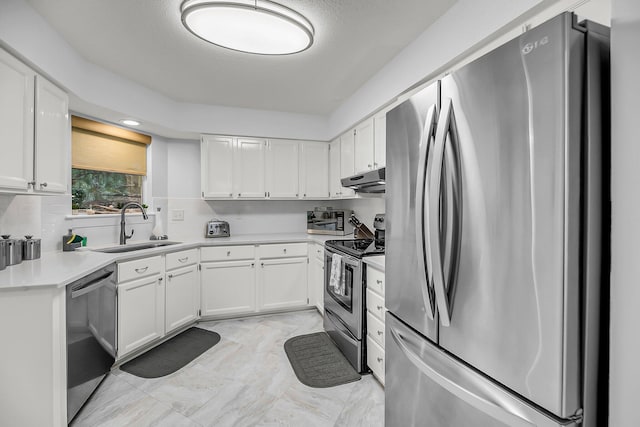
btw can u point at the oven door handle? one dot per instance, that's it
(91, 286)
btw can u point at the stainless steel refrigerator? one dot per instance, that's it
(496, 203)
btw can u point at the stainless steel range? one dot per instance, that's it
(344, 304)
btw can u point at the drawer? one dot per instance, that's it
(282, 250)
(375, 328)
(375, 359)
(375, 304)
(181, 259)
(139, 268)
(375, 280)
(227, 253)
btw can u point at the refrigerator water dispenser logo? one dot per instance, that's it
(530, 47)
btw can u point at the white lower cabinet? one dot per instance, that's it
(375, 321)
(283, 283)
(315, 276)
(182, 297)
(228, 287)
(140, 312)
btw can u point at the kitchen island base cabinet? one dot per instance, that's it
(228, 288)
(140, 313)
(182, 297)
(283, 283)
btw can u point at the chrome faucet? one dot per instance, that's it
(123, 234)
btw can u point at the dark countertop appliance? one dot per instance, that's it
(334, 222)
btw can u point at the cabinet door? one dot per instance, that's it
(52, 139)
(335, 188)
(319, 282)
(16, 123)
(380, 140)
(314, 170)
(181, 297)
(283, 283)
(217, 159)
(347, 141)
(282, 169)
(249, 163)
(363, 147)
(140, 313)
(228, 287)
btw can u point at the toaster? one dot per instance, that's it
(217, 228)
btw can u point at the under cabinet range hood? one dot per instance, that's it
(367, 182)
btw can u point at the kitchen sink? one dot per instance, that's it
(135, 247)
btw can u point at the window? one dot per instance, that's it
(108, 166)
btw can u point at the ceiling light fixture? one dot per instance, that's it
(130, 122)
(251, 26)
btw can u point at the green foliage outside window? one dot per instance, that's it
(104, 192)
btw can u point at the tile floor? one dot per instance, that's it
(244, 380)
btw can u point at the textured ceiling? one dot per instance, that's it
(144, 41)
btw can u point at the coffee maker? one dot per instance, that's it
(378, 225)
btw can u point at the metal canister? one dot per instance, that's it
(31, 248)
(14, 250)
(3, 254)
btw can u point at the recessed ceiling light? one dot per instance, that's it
(251, 26)
(130, 122)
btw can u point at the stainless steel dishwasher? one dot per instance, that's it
(91, 335)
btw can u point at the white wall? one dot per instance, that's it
(625, 233)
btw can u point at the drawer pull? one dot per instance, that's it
(141, 270)
(379, 359)
(185, 259)
(379, 282)
(380, 332)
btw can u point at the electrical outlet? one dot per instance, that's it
(177, 214)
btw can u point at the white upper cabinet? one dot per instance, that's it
(314, 170)
(16, 123)
(380, 139)
(217, 162)
(282, 169)
(34, 130)
(249, 165)
(363, 147)
(335, 188)
(347, 162)
(52, 139)
(255, 168)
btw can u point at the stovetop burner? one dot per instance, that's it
(356, 247)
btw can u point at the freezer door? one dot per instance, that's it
(510, 283)
(410, 132)
(426, 387)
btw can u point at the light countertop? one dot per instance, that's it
(376, 261)
(59, 268)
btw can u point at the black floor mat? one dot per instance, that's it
(317, 362)
(172, 355)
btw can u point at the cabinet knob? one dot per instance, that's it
(379, 307)
(375, 164)
(370, 166)
(31, 183)
(304, 195)
(285, 250)
(253, 264)
(228, 253)
(170, 276)
(262, 264)
(239, 194)
(159, 279)
(230, 194)
(380, 332)
(379, 282)
(43, 184)
(379, 359)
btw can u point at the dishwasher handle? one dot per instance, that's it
(91, 286)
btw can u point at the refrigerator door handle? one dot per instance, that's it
(487, 399)
(444, 293)
(422, 251)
